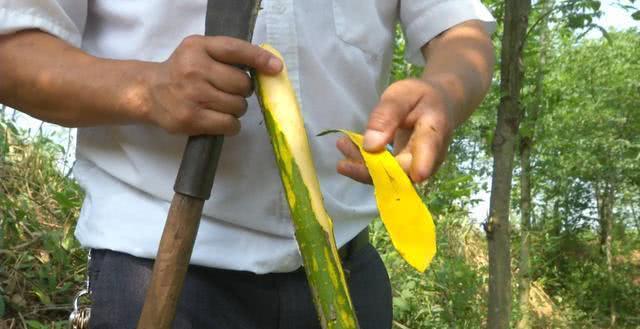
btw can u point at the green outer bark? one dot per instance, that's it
(319, 255)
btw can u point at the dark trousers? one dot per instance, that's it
(223, 299)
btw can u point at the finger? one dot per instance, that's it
(404, 160)
(240, 52)
(401, 140)
(401, 149)
(394, 106)
(348, 149)
(230, 79)
(354, 170)
(428, 149)
(207, 122)
(229, 104)
(208, 97)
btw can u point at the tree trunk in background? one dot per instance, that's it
(525, 227)
(503, 147)
(526, 207)
(636, 218)
(557, 222)
(604, 199)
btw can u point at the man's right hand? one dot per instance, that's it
(199, 90)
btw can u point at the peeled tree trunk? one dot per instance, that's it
(313, 227)
(402, 211)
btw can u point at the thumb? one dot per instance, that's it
(385, 119)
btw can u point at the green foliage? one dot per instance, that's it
(401, 69)
(586, 138)
(451, 292)
(573, 272)
(600, 105)
(42, 264)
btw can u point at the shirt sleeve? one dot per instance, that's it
(422, 20)
(64, 19)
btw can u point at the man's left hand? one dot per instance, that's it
(415, 116)
(419, 115)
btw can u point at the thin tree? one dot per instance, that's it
(526, 149)
(516, 17)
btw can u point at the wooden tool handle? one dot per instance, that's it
(171, 263)
(233, 18)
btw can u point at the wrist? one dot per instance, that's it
(135, 101)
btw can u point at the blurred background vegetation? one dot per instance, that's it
(580, 105)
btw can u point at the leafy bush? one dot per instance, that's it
(574, 272)
(451, 292)
(42, 265)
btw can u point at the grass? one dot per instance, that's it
(41, 263)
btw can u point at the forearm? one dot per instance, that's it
(460, 64)
(56, 82)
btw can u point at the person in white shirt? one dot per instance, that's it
(138, 77)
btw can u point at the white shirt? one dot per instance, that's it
(338, 53)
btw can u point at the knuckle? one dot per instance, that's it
(397, 93)
(402, 85)
(188, 68)
(182, 118)
(191, 41)
(392, 94)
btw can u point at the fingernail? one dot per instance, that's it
(373, 140)
(275, 64)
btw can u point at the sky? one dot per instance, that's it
(616, 17)
(613, 16)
